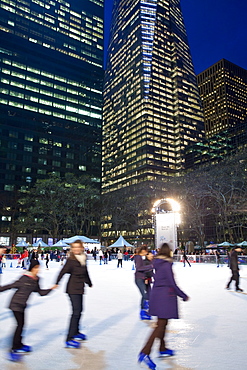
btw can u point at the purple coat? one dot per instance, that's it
(163, 296)
(141, 267)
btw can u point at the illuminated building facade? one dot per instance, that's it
(213, 149)
(152, 108)
(223, 91)
(51, 60)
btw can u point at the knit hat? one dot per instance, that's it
(33, 263)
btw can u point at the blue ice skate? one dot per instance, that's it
(24, 349)
(166, 353)
(146, 360)
(146, 305)
(144, 315)
(72, 344)
(14, 357)
(80, 336)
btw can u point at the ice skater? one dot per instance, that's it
(119, 259)
(47, 261)
(77, 268)
(235, 269)
(186, 258)
(4, 260)
(218, 258)
(140, 274)
(163, 304)
(149, 274)
(100, 256)
(27, 284)
(106, 255)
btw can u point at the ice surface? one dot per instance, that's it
(210, 334)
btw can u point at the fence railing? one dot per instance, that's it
(208, 259)
(13, 256)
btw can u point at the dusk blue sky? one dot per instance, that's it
(216, 29)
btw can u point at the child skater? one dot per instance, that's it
(163, 304)
(27, 284)
(77, 268)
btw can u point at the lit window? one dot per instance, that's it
(56, 163)
(6, 218)
(69, 165)
(28, 148)
(28, 137)
(42, 140)
(13, 134)
(9, 187)
(42, 161)
(41, 172)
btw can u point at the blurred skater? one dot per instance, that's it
(77, 268)
(100, 256)
(47, 259)
(28, 283)
(218, 258)
(140, 270)
(186, 258)
(149, 274)
(163, 304)
(94, 254)
(24, 258)
(235, 269)
(106, 255)
(119, 259)
(35, 255)
(4, 260)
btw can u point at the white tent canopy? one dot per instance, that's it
(40, 243)
(120, 243)
(22, 244)
(60, 243)
(84, 239)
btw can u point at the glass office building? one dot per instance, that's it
(215, 148)
(51, 71)
(223, 91)
(152, 109)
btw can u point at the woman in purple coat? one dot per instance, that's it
(163, 304)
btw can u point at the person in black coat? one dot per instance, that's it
(185, 258)
(235, 269)
(77, 268)
(35, 255)
(27, 284)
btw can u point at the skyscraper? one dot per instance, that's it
(51, 60)
(223, 90)
(152, 108)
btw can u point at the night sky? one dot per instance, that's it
(216, 29)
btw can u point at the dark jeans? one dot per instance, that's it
(119, 262)
(17, 340)
(142, 287)
(158, 332)
(76, 302)
(235, 276)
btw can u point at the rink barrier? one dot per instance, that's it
(15, 256)
(195, 258)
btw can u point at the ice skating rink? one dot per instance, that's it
(211, 332)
